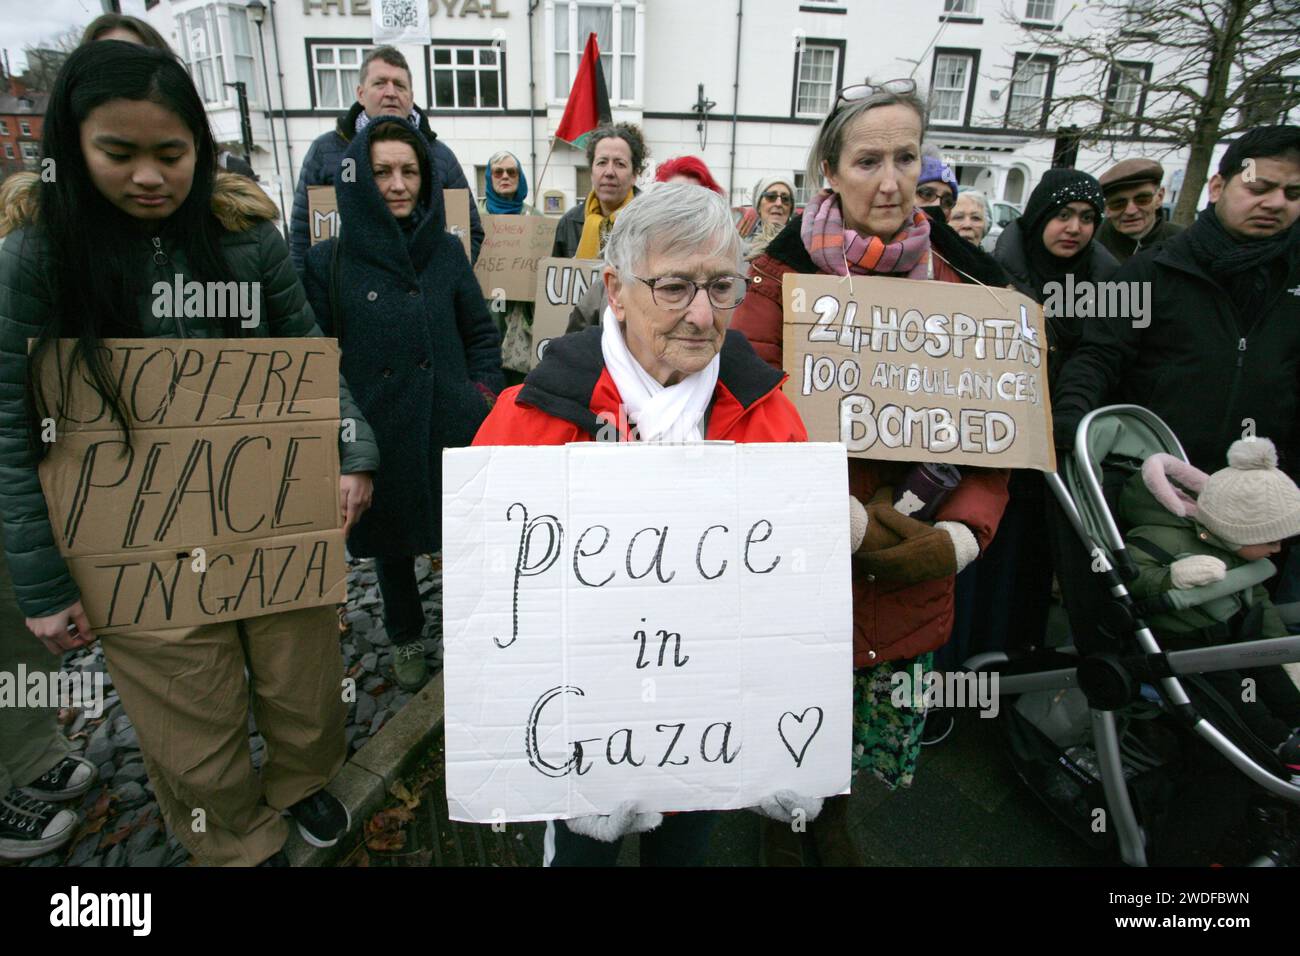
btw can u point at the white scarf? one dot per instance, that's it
(672, 413)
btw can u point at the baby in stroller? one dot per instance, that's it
(1188, 529)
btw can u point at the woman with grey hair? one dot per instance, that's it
(664, 358)
(866, 223)
(972, 216)
(505, 187)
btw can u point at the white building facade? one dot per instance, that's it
(495, 75)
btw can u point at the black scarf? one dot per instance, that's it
(1057, 188)
(1243, 267)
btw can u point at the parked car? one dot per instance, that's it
(1003, 213)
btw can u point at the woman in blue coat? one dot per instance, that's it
(421, 354)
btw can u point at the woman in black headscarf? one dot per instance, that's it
(419, 351)
(1003, 599)
(1054, 238)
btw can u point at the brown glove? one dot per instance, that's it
(922, 553)
(879, 535)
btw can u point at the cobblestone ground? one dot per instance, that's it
(121, 824)
(966, 808)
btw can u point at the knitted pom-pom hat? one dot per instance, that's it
(1250, 501)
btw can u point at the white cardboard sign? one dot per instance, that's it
(669, 624)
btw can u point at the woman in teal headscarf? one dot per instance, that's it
(506, 187)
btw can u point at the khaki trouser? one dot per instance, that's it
(30, 739)
(187, 695)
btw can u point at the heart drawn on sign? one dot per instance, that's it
(799, 719)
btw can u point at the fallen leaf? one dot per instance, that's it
(398, 790)
(115, 838)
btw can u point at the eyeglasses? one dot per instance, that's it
(860, 91)
(785, 198)
(930, 194)
(1120, 203)
(674, 292)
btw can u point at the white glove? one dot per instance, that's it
(964, 545)
(857, 524)
(1195, 570)
(614, 826)
(783, 804)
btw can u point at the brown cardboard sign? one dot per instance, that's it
(907, 370)
(322, 213)
(560, 284)
(456, 204)
(225, 504)
(512, 247)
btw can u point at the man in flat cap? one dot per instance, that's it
(1133, 200)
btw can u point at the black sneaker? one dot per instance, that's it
(322, 819)
(938, 725)
(30, 828)
(66, 780)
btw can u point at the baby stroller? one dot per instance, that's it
(1123, 740)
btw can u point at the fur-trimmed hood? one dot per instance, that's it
(238, 203)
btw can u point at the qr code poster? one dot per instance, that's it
(400, 21)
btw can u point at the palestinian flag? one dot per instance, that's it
(588, 104)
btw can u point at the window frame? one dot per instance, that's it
(972, 12)
(4, 127)
(576, 44)
(9, 151)
(1046, 20)
(31, 147)
(1112, 86)
(218, 18)
(24, 127)
(311, 44)
(476, 45)
(972, 57)
(1248, 118)
(838, 83)
(1020, 60)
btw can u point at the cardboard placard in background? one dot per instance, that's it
(908, 370)
(234, 452)
(686, 644)
(322, 213)
(512, 247)
(456, 204)
(560, 284)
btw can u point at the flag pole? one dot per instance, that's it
(545, 167)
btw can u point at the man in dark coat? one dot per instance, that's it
(420, 352)
(1134, 198)
(1218, 355)
(384, 89)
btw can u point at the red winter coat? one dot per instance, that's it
(571, 395)
(890, 621)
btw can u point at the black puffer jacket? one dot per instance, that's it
(1063, 332)
(1207, 372)
(255, 252)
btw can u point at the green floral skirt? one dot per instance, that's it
(886, 738)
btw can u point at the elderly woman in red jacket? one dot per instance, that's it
(869, 149)
(661, 366)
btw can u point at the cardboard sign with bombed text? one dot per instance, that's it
(512, 247)
(323, 214)
(226, 503)
(560, 284)
(666, 624)
(908, 370)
